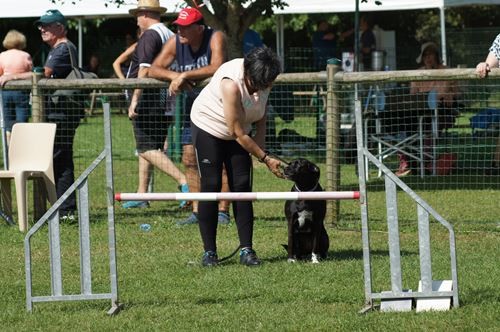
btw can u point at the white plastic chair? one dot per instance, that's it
(30, 155)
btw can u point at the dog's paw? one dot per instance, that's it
(314, 259)
(292, 260)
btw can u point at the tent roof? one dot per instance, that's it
(75, 8)
(341, 6)
(98, 8)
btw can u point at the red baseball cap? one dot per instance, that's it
(188, 16)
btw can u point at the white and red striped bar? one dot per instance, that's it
(245, 196)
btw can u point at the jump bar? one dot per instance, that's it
(242, 196)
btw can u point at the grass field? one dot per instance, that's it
(163, 287)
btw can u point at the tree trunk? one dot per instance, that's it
(233, 19)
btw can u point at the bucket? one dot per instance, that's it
(347, 61)
(378, 60)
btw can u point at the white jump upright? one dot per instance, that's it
(431, 294)
(51, 220)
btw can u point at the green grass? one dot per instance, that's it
(163, 287)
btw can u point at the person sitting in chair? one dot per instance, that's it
(446, 93)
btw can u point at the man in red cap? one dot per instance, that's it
(193, 55)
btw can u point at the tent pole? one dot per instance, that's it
(80, 43)
(356, 37)
(443, 35)
(280, 43)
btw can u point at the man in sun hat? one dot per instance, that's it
(53, 30)
(195, 53)
(148, 5)
(147, 107)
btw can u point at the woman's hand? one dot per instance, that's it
(482, 69)
(274, 166)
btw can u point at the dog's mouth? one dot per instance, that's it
(288, 173)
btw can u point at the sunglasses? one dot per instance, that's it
(48, 26)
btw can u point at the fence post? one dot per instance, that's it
(38, 115)
(332, 140)
(37, 111)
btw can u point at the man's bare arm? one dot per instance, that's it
(160, 67)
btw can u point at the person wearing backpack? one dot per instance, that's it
(53, 30)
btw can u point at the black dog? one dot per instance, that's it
(307, 237)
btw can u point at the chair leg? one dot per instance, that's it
(22, 211)
(51, 190)
(6, 196)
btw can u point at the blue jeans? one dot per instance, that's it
(15, 107)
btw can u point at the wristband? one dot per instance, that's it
(263, 159)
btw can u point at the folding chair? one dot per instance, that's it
(30, 155)
(399, 125)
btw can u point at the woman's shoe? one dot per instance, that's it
(209, 259)
(248, 257)
(184, 188)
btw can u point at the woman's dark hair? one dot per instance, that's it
(261, 66)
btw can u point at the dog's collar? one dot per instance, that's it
(313, 189)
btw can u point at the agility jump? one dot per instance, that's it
(241, 196)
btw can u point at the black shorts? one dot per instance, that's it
(150, 131)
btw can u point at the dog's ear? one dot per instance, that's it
(313, 168)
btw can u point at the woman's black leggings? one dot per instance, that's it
(212, 153)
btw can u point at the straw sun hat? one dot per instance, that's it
(150, 5)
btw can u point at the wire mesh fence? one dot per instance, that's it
(442, 144)
(437, 130)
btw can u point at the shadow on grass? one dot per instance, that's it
(351, 254)
(340, 255)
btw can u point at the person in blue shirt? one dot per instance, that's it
(251, 39)
(324, 43)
